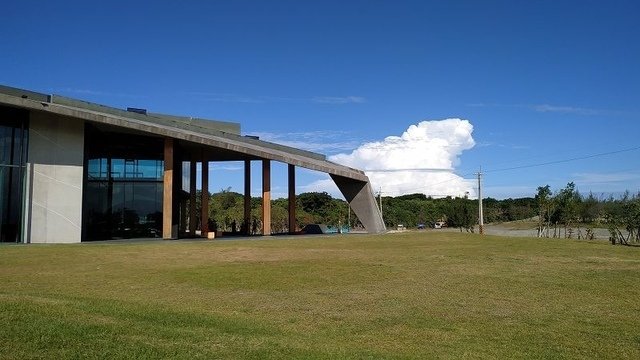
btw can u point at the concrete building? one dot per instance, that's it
(73, 171)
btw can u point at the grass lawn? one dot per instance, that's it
(411, 295)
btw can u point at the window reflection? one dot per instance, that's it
(125, 169)
(123, 193)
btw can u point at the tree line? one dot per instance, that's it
(562, 213)
(226, 212)
(568, 209)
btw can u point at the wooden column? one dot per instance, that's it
(247, 197)
(292, 199)
(193, 212)
(204, 228)
(266, 197)
(167, 195)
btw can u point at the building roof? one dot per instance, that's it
(218, 134)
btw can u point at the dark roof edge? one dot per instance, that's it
(206, 126)
(232, 142)
(24, 94)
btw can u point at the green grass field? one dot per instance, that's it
(410, 295)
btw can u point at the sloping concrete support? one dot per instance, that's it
(359, 195)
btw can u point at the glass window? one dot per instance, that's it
(123, 192)
(97, 168)
(13, 151)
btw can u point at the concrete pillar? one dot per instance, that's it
(266, 197)
(180, 217)
(204, 227)
(53, 213)
(167, 196)
(193, 216)
(292, 198)
(247, 197)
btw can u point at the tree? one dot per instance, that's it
(225, 210)
(590, 209)
(566, 210)
(462, 214)
(316, 202)
(624, 214)
(543, 199)
(631, 218)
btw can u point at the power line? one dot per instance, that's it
(565, 160)
(410, 169)
(509, 168)
(465, 176)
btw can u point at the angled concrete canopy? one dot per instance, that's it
(218, 140)
(360, 196)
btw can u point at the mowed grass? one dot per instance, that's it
(410, 295)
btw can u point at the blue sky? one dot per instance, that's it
(539, 81)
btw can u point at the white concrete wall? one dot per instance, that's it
(54, 179)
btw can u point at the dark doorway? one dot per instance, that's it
(13, 156)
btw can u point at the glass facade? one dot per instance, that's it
(123, 186)
(13, 156)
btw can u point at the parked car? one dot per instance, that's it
(439, 224)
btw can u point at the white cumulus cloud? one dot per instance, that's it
(421, 160)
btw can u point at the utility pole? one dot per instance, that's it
(480, 216)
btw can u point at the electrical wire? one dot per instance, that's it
(564, 160)
(464, 176)
(410, 169)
